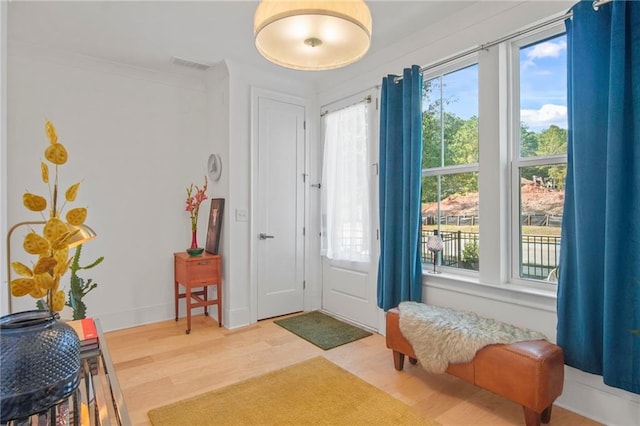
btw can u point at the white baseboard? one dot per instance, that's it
(588, 396)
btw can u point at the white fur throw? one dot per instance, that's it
(442, 336)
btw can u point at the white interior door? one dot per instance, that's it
(280, 207)
(349, 287)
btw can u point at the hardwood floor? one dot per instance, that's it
(158, 364)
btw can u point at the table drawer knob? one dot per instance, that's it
(204, 262)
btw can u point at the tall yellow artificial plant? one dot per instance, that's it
(52, 247)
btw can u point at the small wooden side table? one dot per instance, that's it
(198, 272)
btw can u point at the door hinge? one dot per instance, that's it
(304, 125)
(304, 231)
(304, 285)
(304, 177)
(378, 234)
(376, 104)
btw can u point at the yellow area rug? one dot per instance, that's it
(313, 392)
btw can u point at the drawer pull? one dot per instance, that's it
(204, 262)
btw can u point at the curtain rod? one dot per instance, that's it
(596, 4)
(366, 99)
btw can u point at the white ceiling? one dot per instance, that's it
(148, 34)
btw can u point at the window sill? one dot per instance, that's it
(509, 293)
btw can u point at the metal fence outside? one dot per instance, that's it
(525, 219)
(539, 254)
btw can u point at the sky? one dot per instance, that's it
(543, 84)
(543, 87)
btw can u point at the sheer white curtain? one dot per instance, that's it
(345, 185)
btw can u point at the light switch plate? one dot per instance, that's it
(242, 215)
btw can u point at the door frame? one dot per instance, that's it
(256, 94)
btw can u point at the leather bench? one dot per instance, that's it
(528, 373)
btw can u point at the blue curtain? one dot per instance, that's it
(399, 267)
(599, 281)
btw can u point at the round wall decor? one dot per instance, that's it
(214, 167)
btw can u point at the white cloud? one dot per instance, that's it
(547, 49)
(548, 114)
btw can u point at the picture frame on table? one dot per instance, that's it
(215, 225)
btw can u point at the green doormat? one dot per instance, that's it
(322, 330)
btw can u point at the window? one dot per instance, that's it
(539, 154)
(511, 176)
(450, 165)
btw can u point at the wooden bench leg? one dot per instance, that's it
(545, 417)
(398, 360)
(413, 361)
(531, 418)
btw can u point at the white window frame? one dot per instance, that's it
(513, 52)
(459, 168)
(498, 167)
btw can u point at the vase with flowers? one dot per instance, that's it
(195, 197)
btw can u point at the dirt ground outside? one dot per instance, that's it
(537, 201)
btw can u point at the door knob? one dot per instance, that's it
(264, 236)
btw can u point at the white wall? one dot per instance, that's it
(218, 128)
(3, 151)
(136, 139)
(479, 24)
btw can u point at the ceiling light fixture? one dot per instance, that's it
(312, 35)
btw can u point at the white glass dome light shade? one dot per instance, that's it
(434, 243)
(312, 35)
